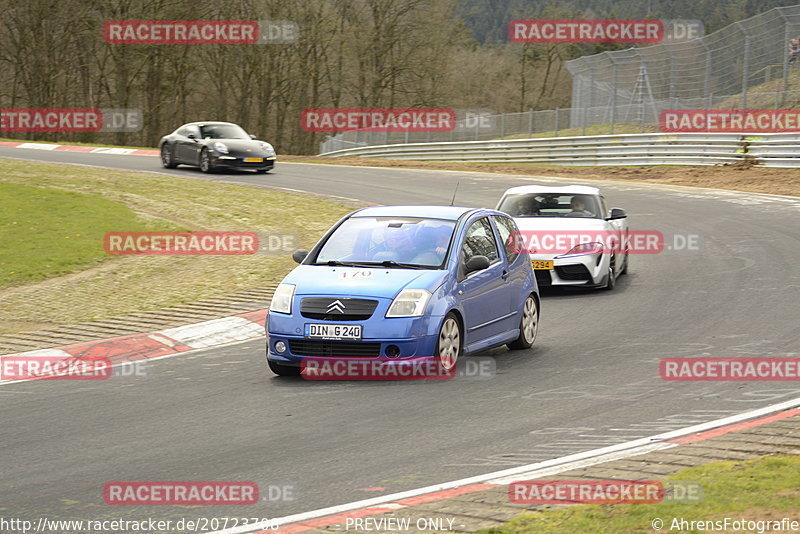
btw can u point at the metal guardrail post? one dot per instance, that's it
(745, 63)
(614, 88)
(786, 36)
(708, 58)
(590, 101)
(556, 122)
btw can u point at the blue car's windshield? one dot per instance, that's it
(389, 241)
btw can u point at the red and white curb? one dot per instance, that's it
(336, 515)
(123, 350)
(79, 148)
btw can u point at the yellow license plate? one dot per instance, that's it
(253, 160)
(542, 265)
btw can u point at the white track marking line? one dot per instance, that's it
(539, 469)
(214, 332)
(37, 146)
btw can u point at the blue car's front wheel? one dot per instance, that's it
(448, 345)
(283, 370)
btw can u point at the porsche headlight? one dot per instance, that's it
(409, 303)
(220, 147)
(268, 148)
(282, 299)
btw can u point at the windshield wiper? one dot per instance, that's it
(385, 263)
(337, 263)
(396, 265)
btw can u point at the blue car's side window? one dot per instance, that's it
(508, 232)
(479, 241)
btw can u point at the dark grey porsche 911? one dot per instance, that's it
(215, 145)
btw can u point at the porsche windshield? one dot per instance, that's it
(222, 131)
(388, 241)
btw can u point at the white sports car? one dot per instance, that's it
(572, 238)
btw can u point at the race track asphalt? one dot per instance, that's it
(591, 379)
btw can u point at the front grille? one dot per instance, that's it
(573, 272)
(543, 278)
(337, 349)
(327, 309)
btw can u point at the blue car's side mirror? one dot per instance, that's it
(299, 255)
(476, 263)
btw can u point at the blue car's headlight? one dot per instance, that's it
(409, 303)
(220, 147)
(282, 299)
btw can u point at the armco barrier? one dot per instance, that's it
(768, 150)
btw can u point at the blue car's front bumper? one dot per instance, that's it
(412, 337)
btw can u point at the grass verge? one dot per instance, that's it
(762, 489)
(101, 286)
(48, 232)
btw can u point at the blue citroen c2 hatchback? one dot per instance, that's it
(397, 282)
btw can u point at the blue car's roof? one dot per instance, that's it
(450, 213)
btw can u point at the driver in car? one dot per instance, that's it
(527, 207)
(398, 245)
(579, 208)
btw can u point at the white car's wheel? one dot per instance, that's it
(612, 276)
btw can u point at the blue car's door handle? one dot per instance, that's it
(504, 276)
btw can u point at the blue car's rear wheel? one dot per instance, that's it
(528, 325)
(448, 346)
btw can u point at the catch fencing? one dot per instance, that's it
(747, 65)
